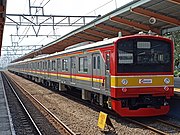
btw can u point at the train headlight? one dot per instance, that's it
(124, 81)
(166, 81)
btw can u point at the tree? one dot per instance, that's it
(176, 39)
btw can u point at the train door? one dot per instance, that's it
(96, 71)
(107, 70)
(73, 69)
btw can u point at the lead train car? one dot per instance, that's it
(132, 75)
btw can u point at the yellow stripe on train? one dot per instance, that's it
(69, 76)
(154, 80)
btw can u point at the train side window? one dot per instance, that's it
(107, 61)
(94, 62)
(53, 65)
(41, 65)
(37, 65)
(98, 62)
(34, 65)
(51, 68)
(45, 65)
(83, 64)
(65, 64)
(58, 63)
(49, 65)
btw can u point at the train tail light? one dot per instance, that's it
(124, 89)
(166, 88)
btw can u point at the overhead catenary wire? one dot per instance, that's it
(28, 27)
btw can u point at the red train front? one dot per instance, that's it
(141, 75)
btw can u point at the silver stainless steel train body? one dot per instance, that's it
(75, 66)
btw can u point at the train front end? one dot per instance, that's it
(142, 82)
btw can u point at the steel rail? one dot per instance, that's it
(115, 115)
(146, 126)
(23, 106)
(67, 129)
(99, 108)
(127, 119)
(170, 124)
(131, 120)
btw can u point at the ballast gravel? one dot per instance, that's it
(78, 117)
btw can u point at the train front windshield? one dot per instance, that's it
(144, 55)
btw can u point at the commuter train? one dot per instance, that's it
(132, 75)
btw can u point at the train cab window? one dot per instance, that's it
(83, 64)
(126, 53)
(144, 55)
(65, 64)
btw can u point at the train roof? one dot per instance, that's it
(87, 46)
(79, 48)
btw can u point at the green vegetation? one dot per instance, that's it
(176, 73)
(176, 38)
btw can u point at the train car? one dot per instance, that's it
(132, 75)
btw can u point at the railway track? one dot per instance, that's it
(156, 125)
(165, 128)
(24, 123)
(61, 127)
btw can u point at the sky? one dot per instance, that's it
(53, 7)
